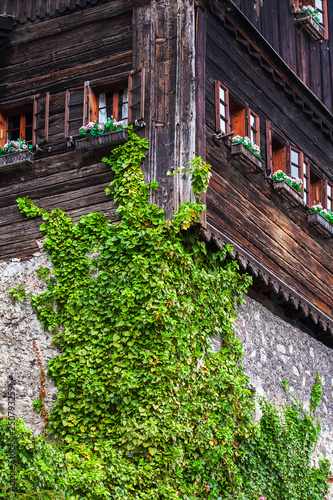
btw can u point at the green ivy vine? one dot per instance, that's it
(146, 409)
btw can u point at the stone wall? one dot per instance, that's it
(19, 327)
(273, 351)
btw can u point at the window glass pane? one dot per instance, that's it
(108, 99)
(304, 168)
(222, 94)
(75, 112)
(320, 17)
(252, 121)
(14, 122)
(294, 157)
(319, 4)
(222, 110)
(28, 134)
(223, 126)
(329, 190)
(294, 171)
(329, 205)
(253, 136)
(28, 118)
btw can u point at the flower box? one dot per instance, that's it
(17, 159)
(286, 191)
(322, 225)
(315, 29)
(246, 157)
(117, 137)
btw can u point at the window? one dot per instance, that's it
(222, 108)
(296, 163)
(109, 102)
(279, 155)
(98, 101)
(329, 196)
(236, 117)
(306, 182)
(232, 116)
(16, 123)
(253, 127)
(320, 5)
(316, 188)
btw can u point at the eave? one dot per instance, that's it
(257, 269)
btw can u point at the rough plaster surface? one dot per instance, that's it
(273, 351)
(19, 326)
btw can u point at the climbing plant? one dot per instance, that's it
(133, 306)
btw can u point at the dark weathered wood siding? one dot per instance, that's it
(311, 61)
(241, 204)
(54, 55)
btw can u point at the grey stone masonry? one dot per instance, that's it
(19, 326)
(275, 351)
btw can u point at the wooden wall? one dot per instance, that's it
(241, 204)
(52, 56)
(311, 61)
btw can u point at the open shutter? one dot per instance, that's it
(40, 124)
(255, 126)
(221, 108)
(74, 111)
(136, 97)
(3, 129)
(288, 159)
(269, 152)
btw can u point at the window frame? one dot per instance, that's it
(328, 199)
(256, 128)
(218, 102)
(21, 111)
(92, 100)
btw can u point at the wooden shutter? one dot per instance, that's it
(74, 111)
(325, 16)
(136, 96)
(217, 107)
(225, 103)
(269, 152)
(40, 124)
(256, 125)
(3, 129)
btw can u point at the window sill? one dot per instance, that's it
(13, 160)
(315, 30)
(322, 225)
(286, 191)
(246, 157)
(117, 137)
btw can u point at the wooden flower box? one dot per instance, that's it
(286, 191)
(112, 138)
(315, 29)
(246, 157)
(322, 225)
(13, 160)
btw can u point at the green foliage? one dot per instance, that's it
(277, 456)
(18, 292)
(38, 405)
(155, 413)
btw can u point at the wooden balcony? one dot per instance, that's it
(287, 192)
(112, 138)
(322, 225)
(14, 160)
(245, 156)
(315, 29)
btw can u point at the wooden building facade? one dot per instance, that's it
(190, 75)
